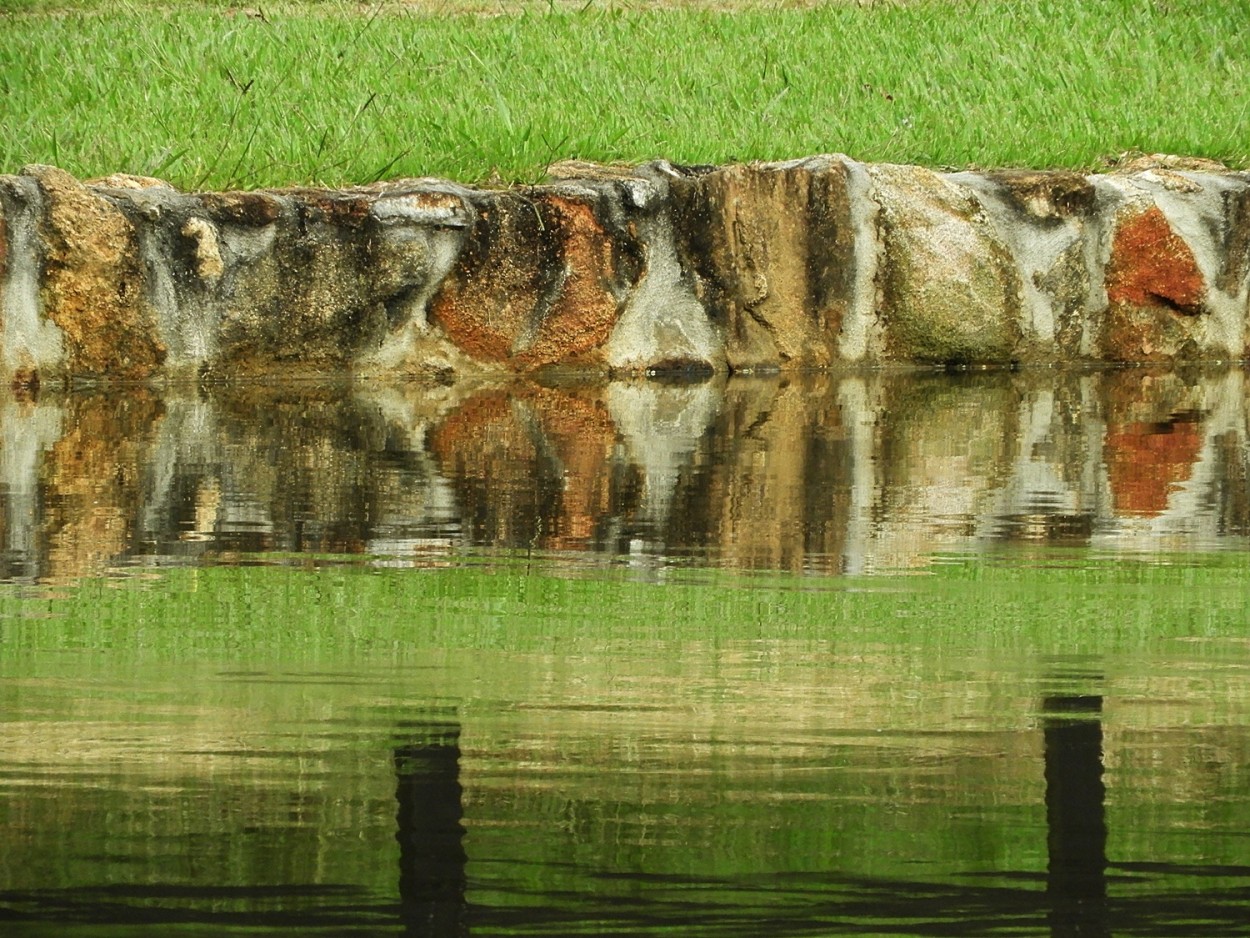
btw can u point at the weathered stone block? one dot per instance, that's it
(542, 277)
(1047, 221)
(317, 279)
(949, 289)
(93, 281)
(815, 263)
(772, 248)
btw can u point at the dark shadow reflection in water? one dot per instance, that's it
(431, 837)
(1076, 823)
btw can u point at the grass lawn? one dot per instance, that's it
(216, 95)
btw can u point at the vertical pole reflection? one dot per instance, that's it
(1076, 882)
(431, 849)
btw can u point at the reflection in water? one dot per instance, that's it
(824, 475)
(226, 746)
(431, 849)
(1075, 817)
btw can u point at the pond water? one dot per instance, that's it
(915, 654)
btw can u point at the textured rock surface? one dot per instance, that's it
(93, 281)
(949, 288)
(772, 251)
(820, 263)
(542, 278)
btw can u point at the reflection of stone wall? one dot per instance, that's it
(816, 475)
(89, 484)
(815, 263)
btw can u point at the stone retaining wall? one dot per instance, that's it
(816, 263)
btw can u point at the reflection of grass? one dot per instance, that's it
(1056, 603)
(329, 92)
(611, 733)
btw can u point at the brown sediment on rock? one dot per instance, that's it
(772, 250)
(820, 263)
(253, 209)
(585, 307)
(93, 281)
(489, 297)
(1047, 194)
(540, 280)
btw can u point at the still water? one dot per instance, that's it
(882, 655)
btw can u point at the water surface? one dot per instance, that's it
(880, 655)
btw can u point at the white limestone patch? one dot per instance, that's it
(428, 207)
(403, 347)
(663, 320)
(30, 341)
(862, 330)
(1035, 249)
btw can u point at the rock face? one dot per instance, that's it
(950, 288)
(821, 263)
(771, 250)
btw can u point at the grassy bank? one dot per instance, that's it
(333, 93)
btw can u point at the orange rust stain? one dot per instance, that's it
(1151, 265)
(490, 295)
(584, 311)
(534, 287)
(1147, 461)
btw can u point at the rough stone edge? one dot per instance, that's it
(971, 268)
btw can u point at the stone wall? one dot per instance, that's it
(821, 263)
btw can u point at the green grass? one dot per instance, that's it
(1055, 602)
(333, 93)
